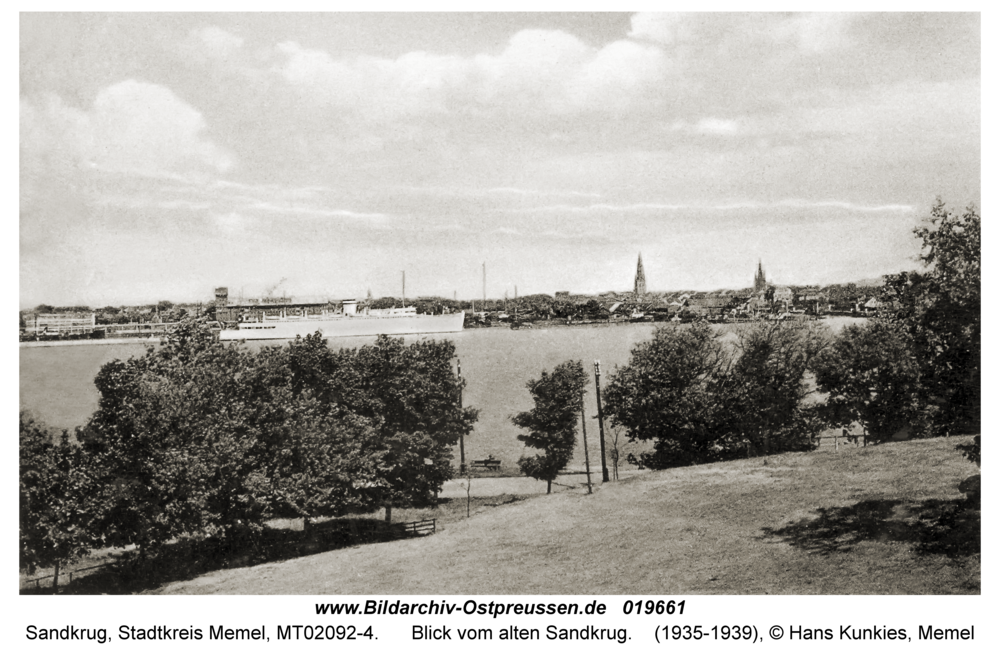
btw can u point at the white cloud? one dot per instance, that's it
(132, 127)
(318, 212)
(844, 205)
(665, 28)
(802, 204)
(53, 135)
(218, 42)
(815, 33)
(707, 126)
(810, 33)
(539, 71)
(230, 222)
(143, 127)
(713, 126)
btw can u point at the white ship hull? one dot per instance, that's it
(346, 326)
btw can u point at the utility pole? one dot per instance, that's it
(484, 286)
(600, 420)
(404, 289)
(461, 436)
(586, 454)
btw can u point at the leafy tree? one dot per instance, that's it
(765, 387)
(181, 433)
(324, 465)
(59, 499)
(386, 302)
(594, 309)
(551, 424)
(940, 311)
(871, 377)
(200, 436)
(700, 398)
(664, 393)
(409, 396)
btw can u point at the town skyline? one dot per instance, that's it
(164, 155)
(648, 292)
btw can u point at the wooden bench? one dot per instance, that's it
(486, 464)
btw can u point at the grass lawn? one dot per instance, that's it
(876, 520)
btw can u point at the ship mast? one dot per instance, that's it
(404, 288)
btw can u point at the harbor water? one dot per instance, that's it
(57, 383)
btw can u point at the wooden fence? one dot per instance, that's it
(68, 574)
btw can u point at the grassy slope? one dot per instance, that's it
(857, 521)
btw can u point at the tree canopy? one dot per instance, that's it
(59, 498)
(201, 436)
(700, 397)
(551, 424)
(939, 310)
(871, 377)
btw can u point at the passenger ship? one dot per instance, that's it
(394, 321)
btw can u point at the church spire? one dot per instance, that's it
(640, 279)
(759, 280)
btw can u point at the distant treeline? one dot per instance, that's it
(164, 311)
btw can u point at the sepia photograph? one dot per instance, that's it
(499, 304)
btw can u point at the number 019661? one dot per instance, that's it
(650, 607)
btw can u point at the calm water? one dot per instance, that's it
(57, 383)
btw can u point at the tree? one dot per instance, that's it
(408, 393)
(940, 311)
(551, 424)
(701, 398)
(200, 436)
(664, 393)
(614, 452)
(765, 387)
(324, 466)
(181, 434)
(59, 499)
(871, 377)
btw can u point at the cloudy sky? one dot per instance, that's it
(163, 155)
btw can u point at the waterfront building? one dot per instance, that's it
(783, 295)
(59, 323)
(267, 308)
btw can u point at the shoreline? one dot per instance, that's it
(77, 343)
(543, 325)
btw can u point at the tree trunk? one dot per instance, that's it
(388, 513)
(548, 490)
(55, 580)
(353, 522)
